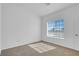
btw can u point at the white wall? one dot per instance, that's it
(20, 26)
(0, 29)
(68, 15)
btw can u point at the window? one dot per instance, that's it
(55, 28)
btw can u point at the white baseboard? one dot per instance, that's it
(62, 45)
(18, 44)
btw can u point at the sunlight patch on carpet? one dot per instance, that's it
(41, 47)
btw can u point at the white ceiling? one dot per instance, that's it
(42, 9)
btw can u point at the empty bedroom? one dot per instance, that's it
(39, 29)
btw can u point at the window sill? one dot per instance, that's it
(52, 36)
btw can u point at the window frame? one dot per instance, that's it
(51, 36)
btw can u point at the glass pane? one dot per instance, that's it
(56, 28)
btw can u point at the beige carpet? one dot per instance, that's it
(41, 47)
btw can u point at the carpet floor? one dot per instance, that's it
(27, 50)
